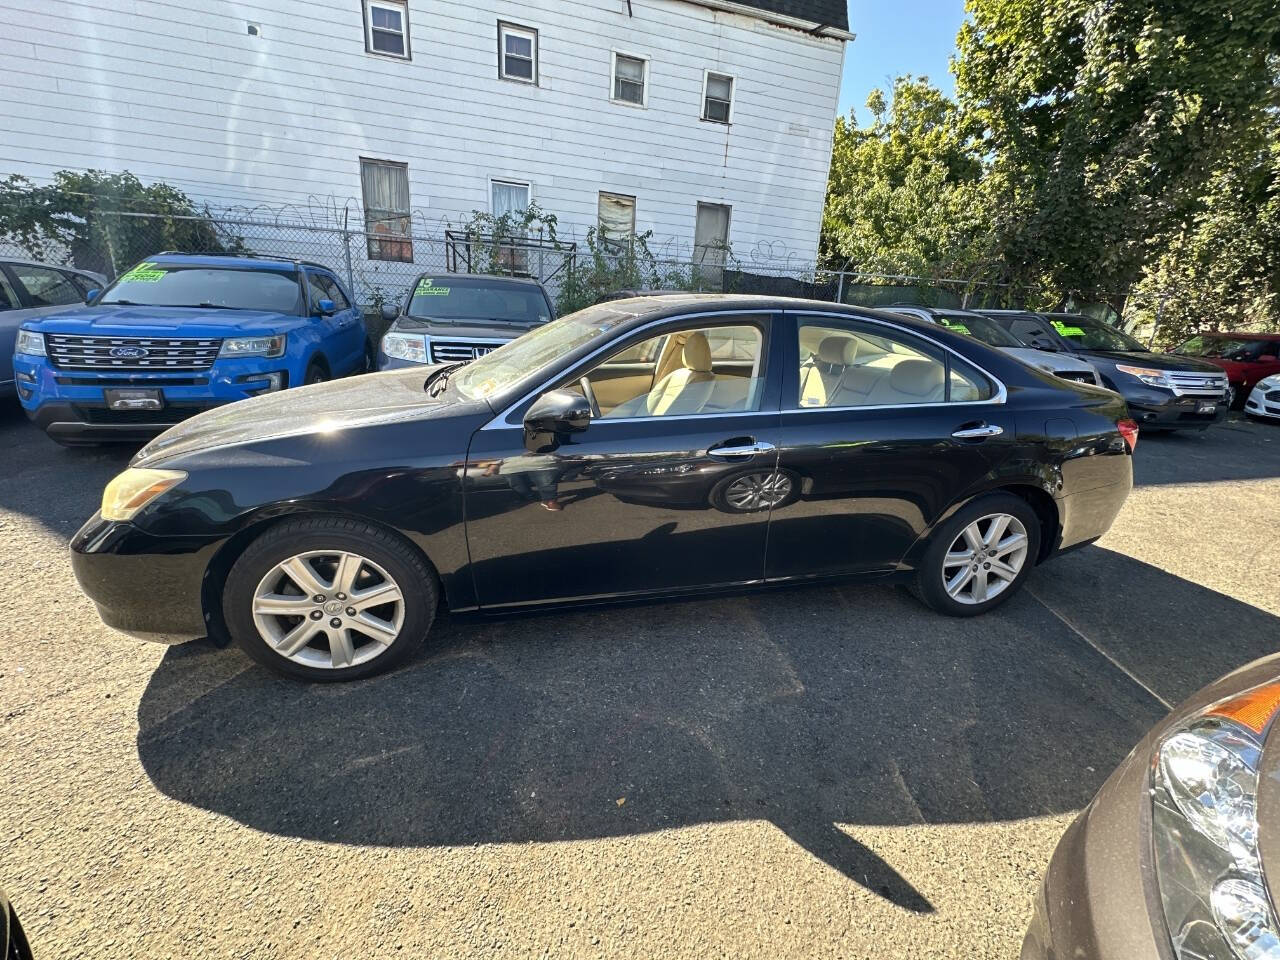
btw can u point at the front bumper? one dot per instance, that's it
(1263, 403)
(1162, 411)
(143, 585)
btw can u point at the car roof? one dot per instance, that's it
(480, 280)
(231, 260)
(44, 263)
(931, 310)
(1227, 334)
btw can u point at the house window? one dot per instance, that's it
(717, 97)
(511, 198)
(385, 185)
(386, 27)
(630, 79)
(617, 220)
(517, 53)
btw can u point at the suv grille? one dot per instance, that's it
(453, 351)
(1197, 384)
(1079, 376)
(73, 352)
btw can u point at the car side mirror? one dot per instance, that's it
(325, 306)
(92, 295)
(389, 312)
(558, 412)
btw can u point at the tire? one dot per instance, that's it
(343, 642)
(930, 583)
(316, 373)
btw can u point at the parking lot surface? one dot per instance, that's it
(819, 772)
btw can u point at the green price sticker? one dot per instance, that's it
(1067, 331)
(958, 327)
(144, 273)
(428, 289)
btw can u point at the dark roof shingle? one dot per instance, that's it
(828, 13)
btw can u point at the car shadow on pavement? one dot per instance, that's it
(1236, 449)
(813, 708)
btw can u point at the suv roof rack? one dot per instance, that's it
(245, 256)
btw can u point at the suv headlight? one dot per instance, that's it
(30, 343)
(253, 346)
(1205, 832)
(1151, 377)
(132, 490)
(406, 346)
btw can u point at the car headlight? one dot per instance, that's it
(406, 346)
(253, 346)
(1205, 832)
(132, 490)
(30, 343)
(1148, 375)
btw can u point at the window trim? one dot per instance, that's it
(707, 74)
(402, 7)
(999, 397)
(505, 27)
(614, 54)
(510, 182)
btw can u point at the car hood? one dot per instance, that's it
(463, 329)
(164, 321)
(1048, 361)
(1160, 361)
(322, 408)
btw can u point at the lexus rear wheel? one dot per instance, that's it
(980, 557)
(329, 599)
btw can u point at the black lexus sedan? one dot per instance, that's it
(1163, 391)
(654, 446)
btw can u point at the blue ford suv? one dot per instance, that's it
(181, 333)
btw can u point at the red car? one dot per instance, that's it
(1247, 357)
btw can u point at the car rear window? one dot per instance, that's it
(153, 284)
(438, 298)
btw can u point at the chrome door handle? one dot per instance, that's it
(744, 452)
(986, 430)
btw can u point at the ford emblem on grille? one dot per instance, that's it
(129, 353)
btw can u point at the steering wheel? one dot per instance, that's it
(590, 394)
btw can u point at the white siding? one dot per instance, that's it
(177, 93)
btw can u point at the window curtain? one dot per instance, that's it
(617, 219)
(386, 210)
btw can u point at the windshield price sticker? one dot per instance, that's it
(1067, 331)
(144, 273)
(427, 289)
(958, 327)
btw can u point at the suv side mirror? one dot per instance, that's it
(325, 306)
(558, 411)
(389, 312)
(92, 295)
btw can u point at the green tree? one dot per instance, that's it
(92, 219)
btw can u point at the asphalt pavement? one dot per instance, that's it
(813, 772)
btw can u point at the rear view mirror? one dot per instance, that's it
(325, 306)
(558, 412)
(92, 295)
(389, 312)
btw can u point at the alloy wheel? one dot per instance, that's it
(328, 609)
(985, 558)
(756, 491)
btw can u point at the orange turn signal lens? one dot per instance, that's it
(1253, 709)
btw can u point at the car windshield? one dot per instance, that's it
(979, 327)
(443, 298)
(1090, 334)
(1229, 348)
(525, 356)
(162, 284)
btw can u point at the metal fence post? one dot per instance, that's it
(840, 288)
(346, 253)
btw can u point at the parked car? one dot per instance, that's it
(1264, 400)
(181, 333)
(1065, 365)
(319, 530)
(447, 318)
(1168, 862)
(1164, 392)
(30, 289)
(1246, 357)
(12, 939)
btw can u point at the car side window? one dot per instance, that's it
(83, 284)
(696, 370)
(46, 287)
(8, 297)
(852, 364)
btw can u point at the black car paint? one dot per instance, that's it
(1152, 407)
(874, 482)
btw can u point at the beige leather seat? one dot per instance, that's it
(910, 381)
(820, 374)
(687, 388)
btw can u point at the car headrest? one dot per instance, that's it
(918, 378)
(838, 350)
(697, 352)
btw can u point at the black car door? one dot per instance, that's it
(668, 488)
(881, 429)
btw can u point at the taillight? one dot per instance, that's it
(1129, 430)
